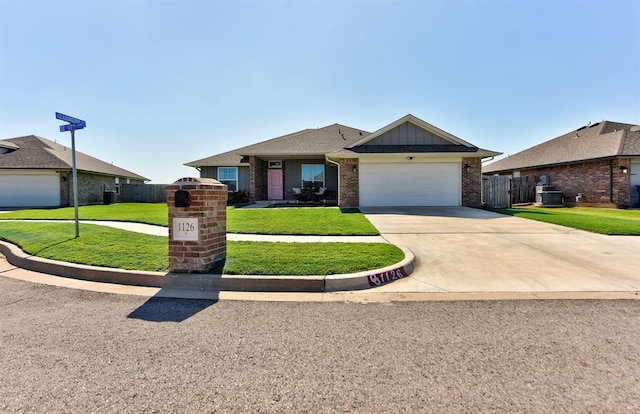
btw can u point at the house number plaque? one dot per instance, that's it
(186, 229)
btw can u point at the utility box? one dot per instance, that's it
(197, 224)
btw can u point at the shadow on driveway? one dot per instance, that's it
(161, 309)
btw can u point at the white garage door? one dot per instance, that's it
(410, 184)
(29, 190)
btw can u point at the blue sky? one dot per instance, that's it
(164, 82)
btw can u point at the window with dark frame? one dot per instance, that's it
(229, 176)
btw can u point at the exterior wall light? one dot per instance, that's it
(355, 168)
(624, 169)
(467, 167)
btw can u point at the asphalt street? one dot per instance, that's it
(66, 350)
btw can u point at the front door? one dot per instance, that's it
(275, 184)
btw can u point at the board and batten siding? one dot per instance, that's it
(293, 174)
(408, 134)
(243, 176)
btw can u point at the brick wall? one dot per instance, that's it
(592, 179)
(349, 182)
(209, 206)
(471, 182)
(258, 179)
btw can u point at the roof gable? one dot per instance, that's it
(602, 140)
(410, 130)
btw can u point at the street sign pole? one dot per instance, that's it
(73, 124)
(75, 180)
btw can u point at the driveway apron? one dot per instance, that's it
(460, 249)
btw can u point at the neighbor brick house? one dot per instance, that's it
(37, 172)
(599, 161)
(405, 163)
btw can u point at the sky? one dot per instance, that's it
(164, 82)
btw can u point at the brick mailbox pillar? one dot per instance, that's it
(197, 224)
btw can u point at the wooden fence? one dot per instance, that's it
(496, 191)
(502, 191)
(142, 193)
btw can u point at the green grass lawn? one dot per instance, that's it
(108, 247)
(149, 213)
(596, 220)
(300, 221)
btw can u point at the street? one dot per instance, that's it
(67, 350)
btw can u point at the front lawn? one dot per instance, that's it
(109, 247)
(149, 213)
(297, 221)
(596, 220)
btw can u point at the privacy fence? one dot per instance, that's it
(142, 193)
(502, 191)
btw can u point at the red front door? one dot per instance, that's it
(275, 184)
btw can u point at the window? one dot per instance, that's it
(229, 176)
(275, 164)
(313, 175)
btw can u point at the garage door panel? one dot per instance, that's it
(29, 190)
(416, 184)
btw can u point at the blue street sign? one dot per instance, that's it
(72, 127)
(69, 119)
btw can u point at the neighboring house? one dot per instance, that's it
(599, 161)
(37, 172)
(406, 163)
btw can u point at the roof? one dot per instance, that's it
(341, 141)
(602, 140)
(304, 143)
(33, 152)
(227, 159)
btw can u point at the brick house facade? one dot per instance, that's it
(600, 161)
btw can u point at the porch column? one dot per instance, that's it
(349, 190)
(257, 179)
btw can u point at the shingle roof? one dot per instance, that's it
(308, 142)
(602, 140)
(225, 159)
(35, 152)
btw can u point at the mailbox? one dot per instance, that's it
(182, 198)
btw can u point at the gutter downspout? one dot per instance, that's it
(337, 165)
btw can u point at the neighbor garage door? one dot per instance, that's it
(29, 190)
(410, 184)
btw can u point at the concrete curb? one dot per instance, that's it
(243, 283)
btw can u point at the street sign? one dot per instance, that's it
(72, 127)
(73, 124)
(67, 118)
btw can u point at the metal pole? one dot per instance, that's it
(75, 181)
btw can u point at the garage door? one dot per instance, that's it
(410, 184)
(29, 190)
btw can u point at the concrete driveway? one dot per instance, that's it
(461, 249)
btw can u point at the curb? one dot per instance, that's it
(243, 283)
